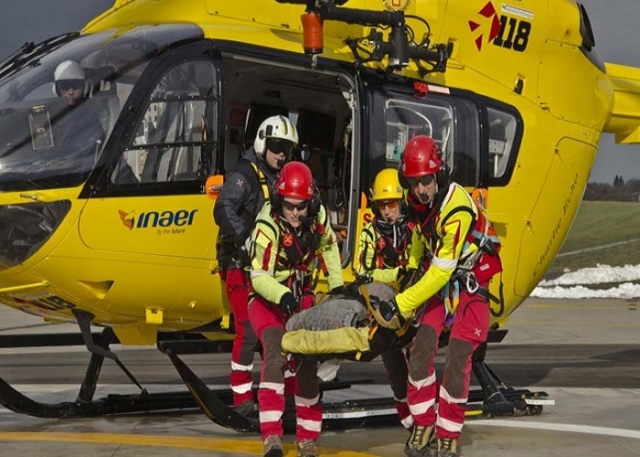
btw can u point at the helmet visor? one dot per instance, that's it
(392, 204)
(289, 206)
(280, 146)
(424, 180)
(69, 84)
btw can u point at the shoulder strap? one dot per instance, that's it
(262, 180)
(273, 227)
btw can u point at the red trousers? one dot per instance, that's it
(469, 330)
(268, 322)
(245, 341)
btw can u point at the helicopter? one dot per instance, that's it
(512, 92)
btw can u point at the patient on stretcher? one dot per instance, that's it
(342, 326)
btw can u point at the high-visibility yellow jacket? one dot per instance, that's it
(271, 266)
(381, 256)
(445, 232)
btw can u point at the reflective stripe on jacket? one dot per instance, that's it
(451, 235)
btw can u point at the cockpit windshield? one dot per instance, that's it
(59, 102)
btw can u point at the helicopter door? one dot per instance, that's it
(151, 196)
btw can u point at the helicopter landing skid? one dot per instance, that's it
(85, 405)
(495, 399)
(15, 401)
(215, 403)
(336, 416)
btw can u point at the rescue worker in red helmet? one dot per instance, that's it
(455, 288)
(291, 231)
(384, 247)
(243, 194)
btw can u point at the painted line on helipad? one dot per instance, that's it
(572, 428)
(185, 442)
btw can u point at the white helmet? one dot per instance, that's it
(68, 70)
(279, 127)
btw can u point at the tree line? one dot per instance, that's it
(618, 191)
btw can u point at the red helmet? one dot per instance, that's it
(420, 157)
(295, 181)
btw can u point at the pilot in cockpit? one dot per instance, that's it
(81, 133)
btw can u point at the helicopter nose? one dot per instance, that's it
(26, 227)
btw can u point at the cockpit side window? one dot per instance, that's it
(175, 136)
(502, 135)
(453, 123)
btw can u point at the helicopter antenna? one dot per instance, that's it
(400, 48)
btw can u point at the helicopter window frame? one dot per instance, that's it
(148, 146)
(502, 134)
(508, 134)
(453, 122)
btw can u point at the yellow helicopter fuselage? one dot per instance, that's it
(143, 263)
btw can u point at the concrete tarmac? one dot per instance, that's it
(584, 353)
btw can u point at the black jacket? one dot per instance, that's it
(237, 207)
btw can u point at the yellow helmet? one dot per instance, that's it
(386, 186)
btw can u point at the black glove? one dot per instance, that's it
(353, 289)
(288, 304)
(386, 313)
(243, 258)
(340, 290)
(406, 278)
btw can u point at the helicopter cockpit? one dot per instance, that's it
(41, 136)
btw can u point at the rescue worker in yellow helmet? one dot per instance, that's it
(291, 231)
(455, 287)
(383, 257)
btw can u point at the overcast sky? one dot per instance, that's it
(615, 24)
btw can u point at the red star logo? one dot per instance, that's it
(488, 12)
(287, 239)
(380, 244)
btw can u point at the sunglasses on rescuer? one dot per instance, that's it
(391, 204)
(300, 206)
(424, 180)
(278, 146)
(68, 84)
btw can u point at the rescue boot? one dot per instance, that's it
(307, 448)
(419, 441)
(273, 446)
(447, 447)
(247, 408)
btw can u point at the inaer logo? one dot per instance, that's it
(153, 219)
(127, 220)
(487, 12)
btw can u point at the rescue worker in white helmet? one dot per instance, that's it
(383, 257)
(79, 132)
(455, 288)
(244, 192)
(292, 230)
